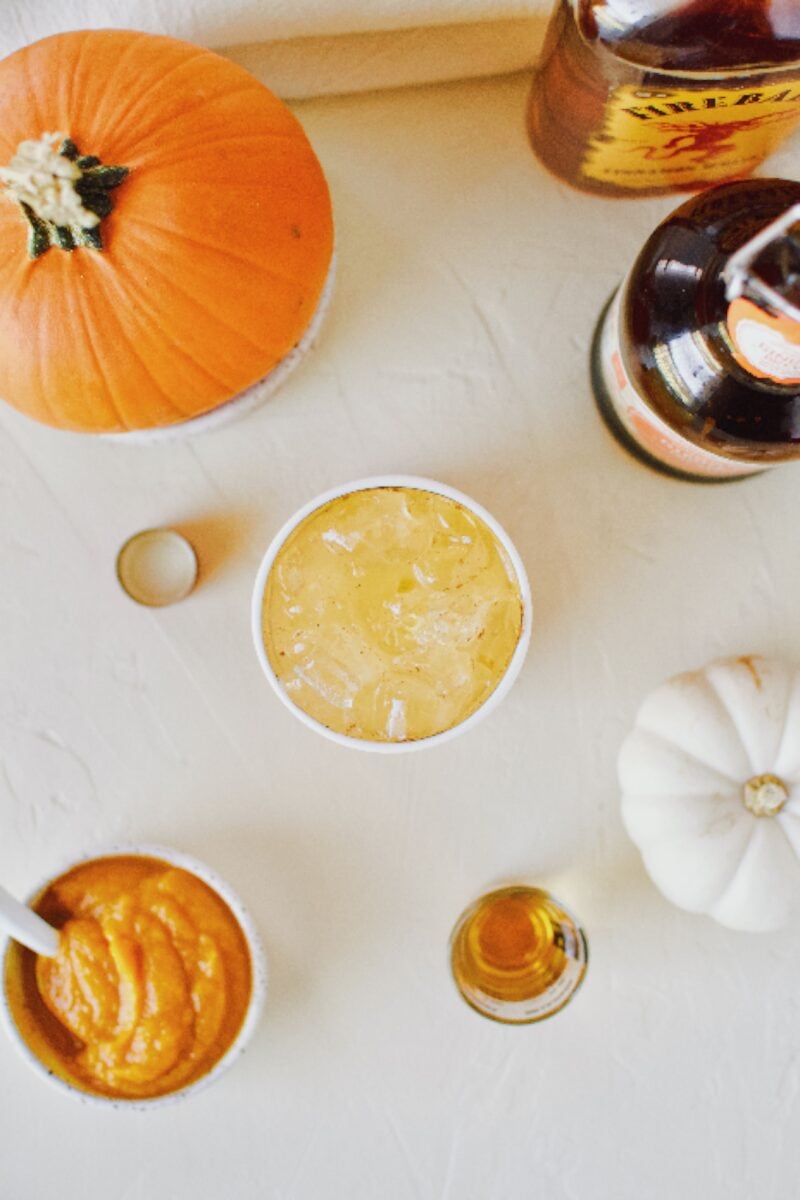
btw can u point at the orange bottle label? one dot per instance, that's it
(766, 346)
(681, 137)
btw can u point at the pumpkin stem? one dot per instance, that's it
(62, 193)
(765, 795)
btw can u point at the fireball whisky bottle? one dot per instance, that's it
(696, 359)
(642, 97)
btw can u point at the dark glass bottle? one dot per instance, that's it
(696, 359)
(641, 97)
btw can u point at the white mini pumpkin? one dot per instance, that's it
(710, 779)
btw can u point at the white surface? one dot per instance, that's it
(456, 348)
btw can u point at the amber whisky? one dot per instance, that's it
(517, 955)
(641, 97)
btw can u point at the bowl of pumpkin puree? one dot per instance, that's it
(158, 984)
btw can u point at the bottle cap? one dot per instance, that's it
(157, 567)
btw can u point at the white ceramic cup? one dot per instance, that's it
(420, 484)
(258, 991)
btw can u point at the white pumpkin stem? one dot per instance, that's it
(765, 795)
(62, 193)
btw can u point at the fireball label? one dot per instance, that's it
(677, 137)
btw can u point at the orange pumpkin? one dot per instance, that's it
(214, 259)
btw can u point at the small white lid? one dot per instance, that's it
(157, 567)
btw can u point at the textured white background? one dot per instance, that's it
(456, 348)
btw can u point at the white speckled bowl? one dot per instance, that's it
(394, 481)
(258, 963)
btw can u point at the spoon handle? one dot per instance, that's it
(23, 924)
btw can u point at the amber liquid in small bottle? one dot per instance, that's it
(642, 98)
(665, 368)
(518, 955)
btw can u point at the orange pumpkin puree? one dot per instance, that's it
(150, 985)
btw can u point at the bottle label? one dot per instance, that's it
(535, 1007)
(678, 137)
(766, 346)
(646, 427)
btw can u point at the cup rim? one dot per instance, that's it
(258, 990)
(417, 483)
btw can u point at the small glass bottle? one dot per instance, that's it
(696, 359)
(642, 97)
(518, 955)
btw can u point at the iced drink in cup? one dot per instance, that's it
(391, 613)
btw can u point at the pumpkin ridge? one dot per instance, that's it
(790, 715)
(142, 100)
(207, 244)
(10, 261)
(40, 359)
(294, 138)
(76, 310)
(33, 97)
(134, 290)
(760, 831)
(678, 817)
(676, 841)
(189, 296)
(46, 406)
(653, 843)
(172, 156)
(755, 767)
(75, 76)
(129, 50)
(133, 350)
(787, 820)
(155, 324)
(641, 797)
(94, 38)
(246, 135)
(665, 741)
(147, 134)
